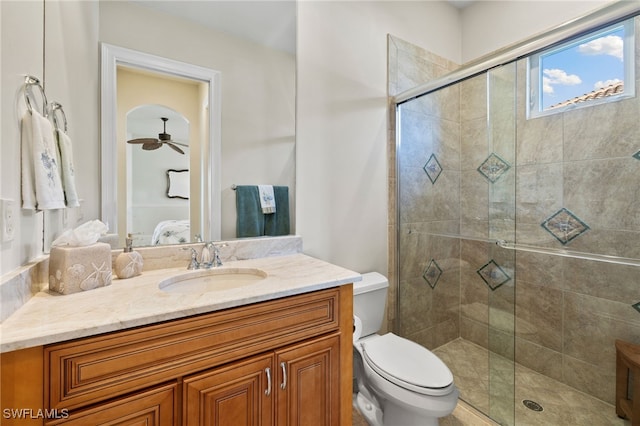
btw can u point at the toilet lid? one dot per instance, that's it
(407, 364)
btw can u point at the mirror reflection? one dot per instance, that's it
(139, 104)
(158, 154)
(253, 120)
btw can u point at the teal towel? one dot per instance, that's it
(278, 223)
(251, 222)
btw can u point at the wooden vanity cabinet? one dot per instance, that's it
(151, 407)
(308, 385)
(234, 394)
(297, 385)
(209, 369)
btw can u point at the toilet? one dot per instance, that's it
(396, 381)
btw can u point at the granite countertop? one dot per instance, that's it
(50, 317)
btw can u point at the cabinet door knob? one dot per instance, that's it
(284, 375)
(268, 390)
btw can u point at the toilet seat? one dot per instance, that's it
(407, 364)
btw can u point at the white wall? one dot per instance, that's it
(341, 113)
(21, 54)
(68, 66)
(342, 120)
(490, 25)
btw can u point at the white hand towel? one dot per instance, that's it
(267, 199)
(67, 170)
(41, 183)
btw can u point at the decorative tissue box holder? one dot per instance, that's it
(75, 269)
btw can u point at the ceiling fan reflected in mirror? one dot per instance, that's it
(150, 144)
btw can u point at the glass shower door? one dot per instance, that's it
(456, 197)
(500, 172)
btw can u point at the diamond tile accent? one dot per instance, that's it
(493, 167)
(636, 306)
(564, 225)
(493, 275)
(432, 274)
(636, 155)
(432, 168)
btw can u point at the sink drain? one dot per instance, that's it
(532, 405)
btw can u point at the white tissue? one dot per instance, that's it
(84, 235)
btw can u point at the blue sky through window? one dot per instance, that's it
(582, 67)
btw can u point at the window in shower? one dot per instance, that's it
(594, 68)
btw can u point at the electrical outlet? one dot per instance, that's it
(7, 220)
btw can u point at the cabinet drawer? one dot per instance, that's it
(153, 407)
(93, 369)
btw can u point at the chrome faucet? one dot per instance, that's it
(193, 263)
(216, 254)
(209, 256)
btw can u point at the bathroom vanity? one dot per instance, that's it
(271, 353)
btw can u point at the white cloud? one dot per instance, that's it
(546, 85)
(555, 77)
(608, 45)
(601, 84)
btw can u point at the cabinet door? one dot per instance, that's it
(308, 383)
(238, 394)
(154, 407)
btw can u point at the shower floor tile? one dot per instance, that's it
(562, 405)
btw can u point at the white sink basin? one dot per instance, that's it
(216, 279)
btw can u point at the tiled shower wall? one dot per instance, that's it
(579, 164)
(409, 65)
(472, 165)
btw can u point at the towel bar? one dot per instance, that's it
(55, 106)
(34, 81)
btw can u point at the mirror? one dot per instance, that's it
(249, 103)
(131, 80)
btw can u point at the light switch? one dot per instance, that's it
(8, 220)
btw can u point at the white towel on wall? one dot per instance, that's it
(41, 183)
(67, 170)
(267, 199)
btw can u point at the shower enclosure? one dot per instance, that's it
(518, 239)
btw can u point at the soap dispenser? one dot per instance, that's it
(129, 262)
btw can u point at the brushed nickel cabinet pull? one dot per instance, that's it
(284, 375)
(268, 390)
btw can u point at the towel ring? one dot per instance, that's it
(53, 107)
(33, 81)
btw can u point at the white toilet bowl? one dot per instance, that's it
(399, 383)
(404, 384)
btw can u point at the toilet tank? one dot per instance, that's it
(369, 300)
